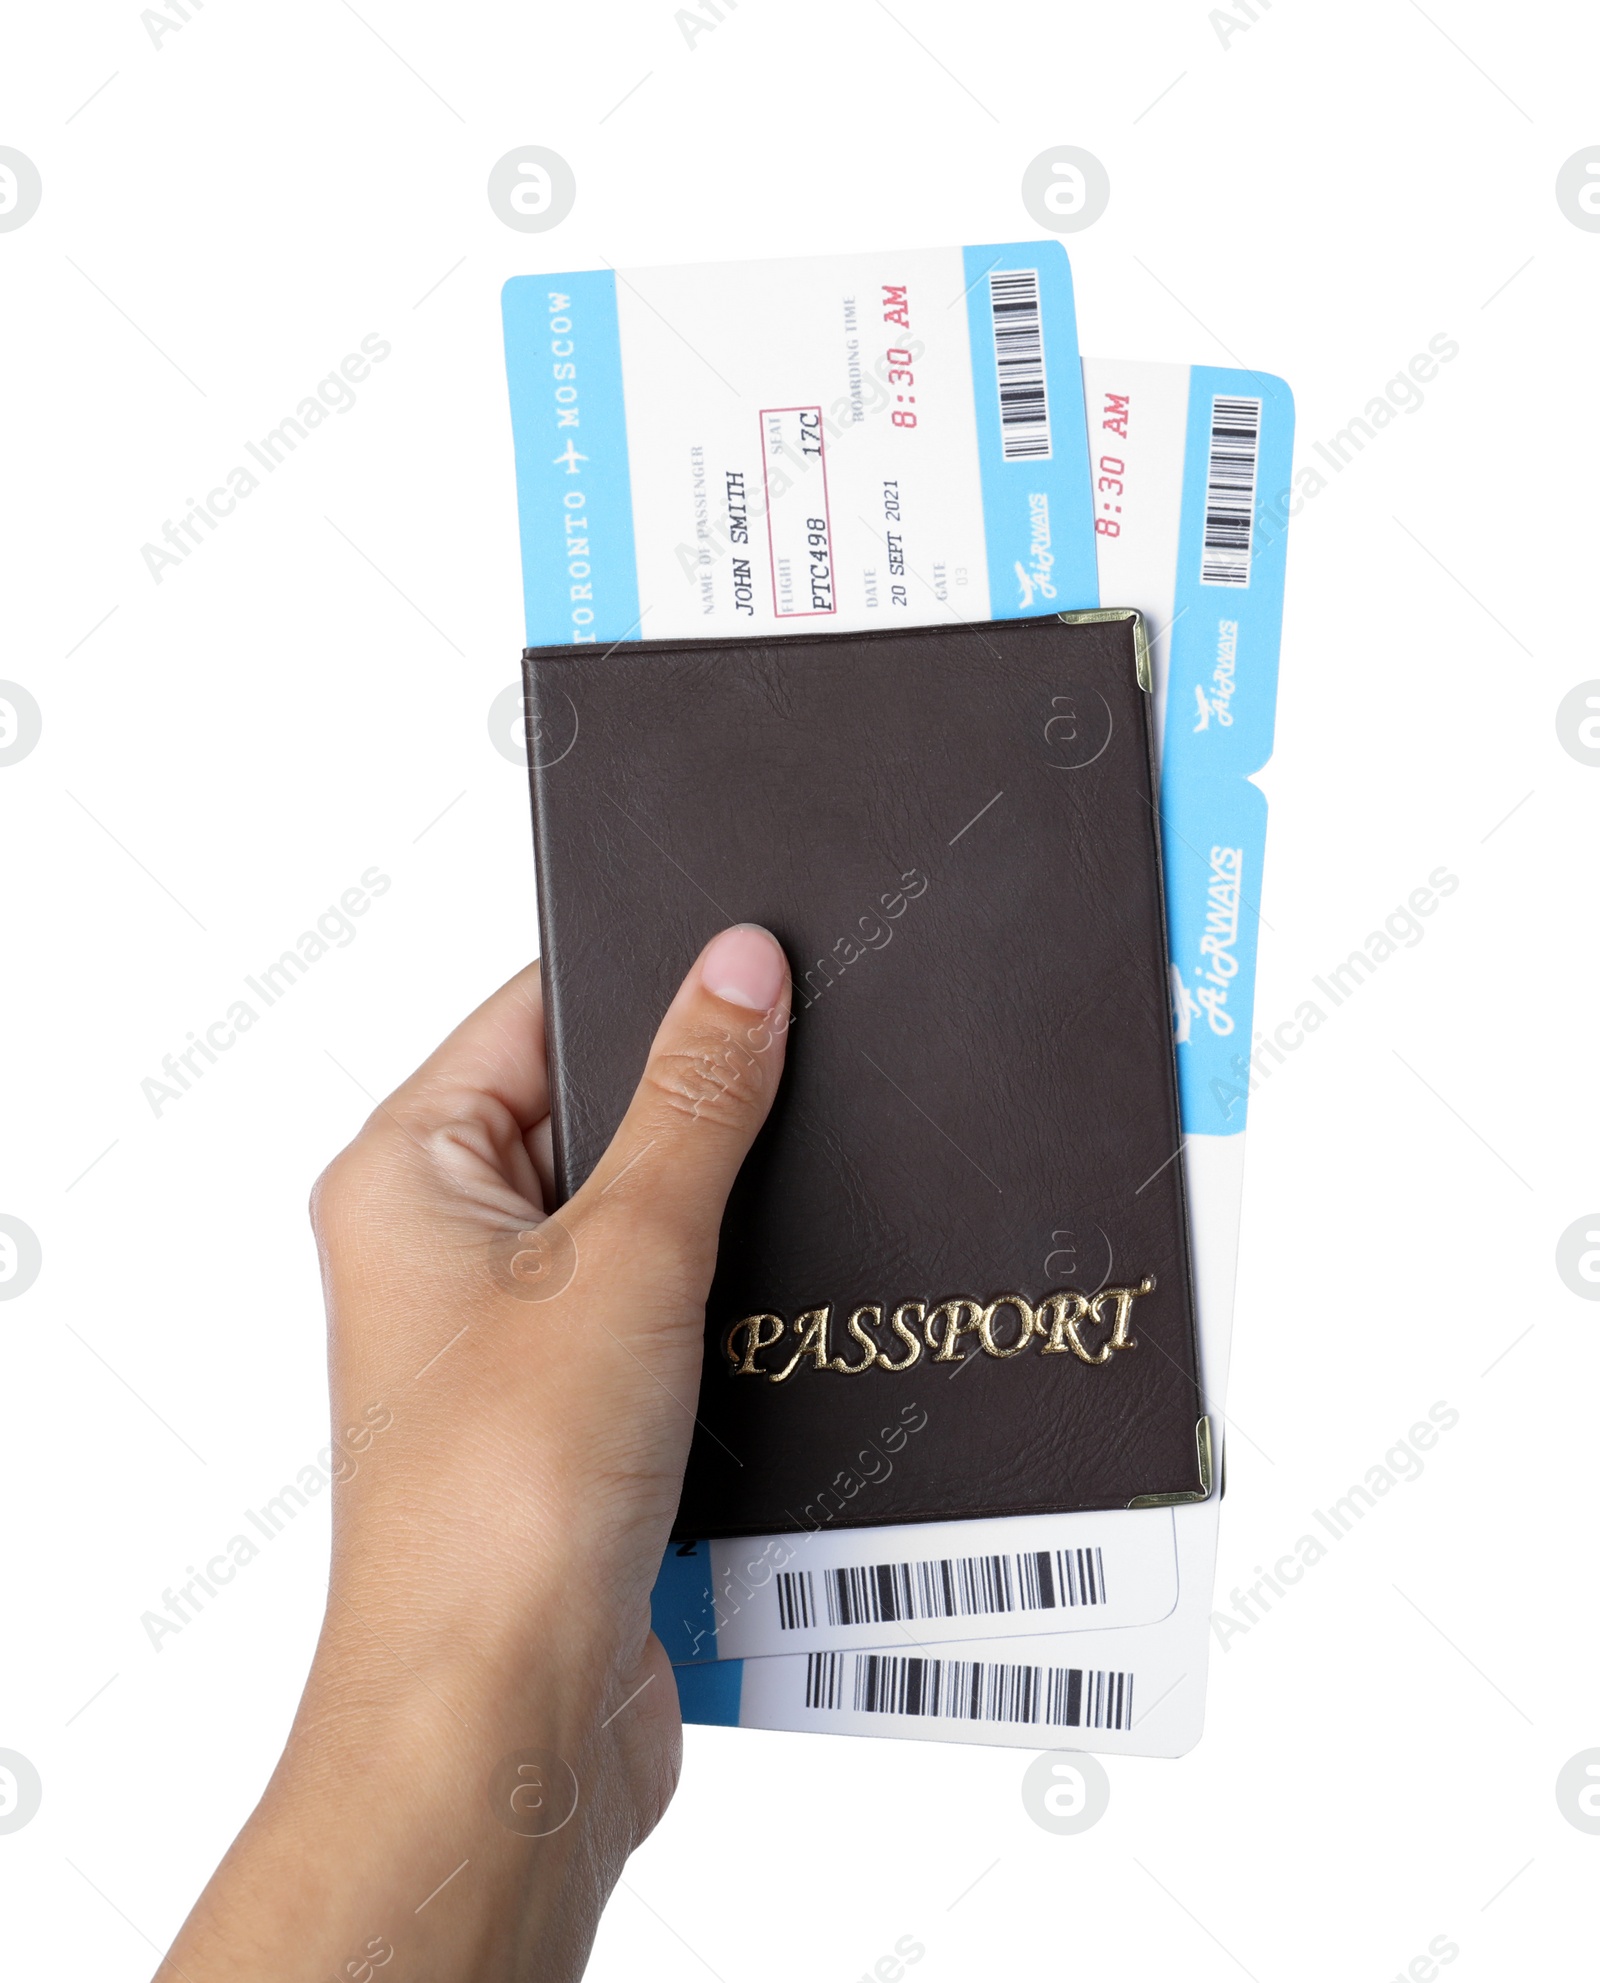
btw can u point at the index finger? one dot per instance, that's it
(497, 1052)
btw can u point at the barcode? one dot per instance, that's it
(1230, 491)
(952, 1587)
(969, 1690)
(1019, 364)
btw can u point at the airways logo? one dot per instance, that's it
(1034, 577)
(1214, 699)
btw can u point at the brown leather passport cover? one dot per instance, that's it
(953, 833)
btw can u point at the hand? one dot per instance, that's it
(513, 1397)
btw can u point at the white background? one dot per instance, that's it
(307, 696)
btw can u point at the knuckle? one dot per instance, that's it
(708, 1080)
(328, 1193)
(346, 1186)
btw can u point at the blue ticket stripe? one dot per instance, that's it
(1214, 837)
(569, 430)
(1038, 511)
(683, 1613)
(710, 1694)
(1222, 688)
(1222, 680)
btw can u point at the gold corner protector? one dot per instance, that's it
(1103, 615)
(1141, 656)
(1186, 1496)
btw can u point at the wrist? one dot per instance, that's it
(430, 1808)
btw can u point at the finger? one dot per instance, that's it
(496, 1054)
(706, 1090)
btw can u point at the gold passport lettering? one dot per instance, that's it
(1002, 1328)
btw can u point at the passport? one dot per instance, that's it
(953, 832)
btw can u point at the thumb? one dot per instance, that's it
(706, 1090)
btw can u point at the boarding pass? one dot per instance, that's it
(1199, 454)
(858, 441)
